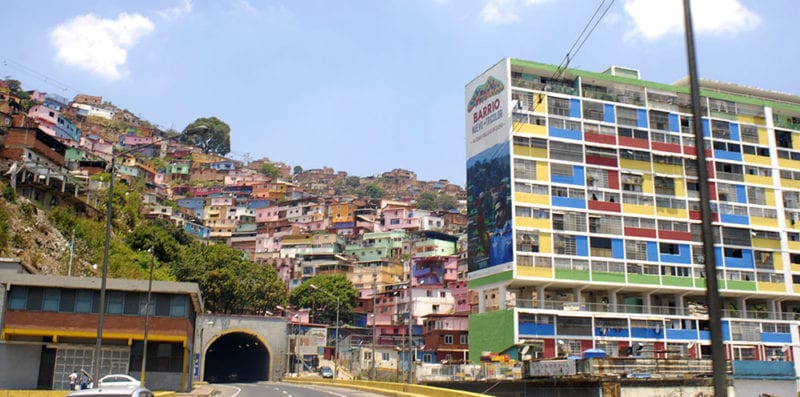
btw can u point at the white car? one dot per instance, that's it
(112, 392)
(119, 380)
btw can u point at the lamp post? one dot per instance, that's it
(336, 341)
(147, 311)
(96, 360)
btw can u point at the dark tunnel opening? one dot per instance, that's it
(236, 357)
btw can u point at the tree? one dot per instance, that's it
(322, 304)
(374, 191)
(297, 169)
(215, 138)
(352, 181)
(426, 200)
(445, 202)
(270, 170)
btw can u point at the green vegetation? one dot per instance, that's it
(215, 138)
(322, 304)
(270, 170)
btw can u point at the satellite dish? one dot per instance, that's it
(524, 350)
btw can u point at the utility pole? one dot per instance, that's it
(374, 319)
(709, 260)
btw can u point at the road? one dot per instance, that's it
(279, 389)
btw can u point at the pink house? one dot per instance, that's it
(46, 117)
(400, 218)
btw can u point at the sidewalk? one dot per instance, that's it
(200, 390)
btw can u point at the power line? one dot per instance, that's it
(38, 75)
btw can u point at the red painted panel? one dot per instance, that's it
(695, 215)
(690, 150)
(597, 160)
(667, 147)
(613, 179)
(549, 348)
(599, 138)
(633, 142)
(604, 206)
(673, 235)
(639, 232)
(585, 345)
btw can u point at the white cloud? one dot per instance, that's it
(99, 45)
(655, 19)
(177, 11)
(505, 11)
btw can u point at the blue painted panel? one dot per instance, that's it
(674, 123)
(575, 108)
(582, 245)
(684, 255)
(735, 135)
(706, 128)
(682, 334)
(617, 248)
(531, 329)
(741, 194)
(562, 179)
(726, 155)
(569, 202)
(705, 335)
(718, 256)
(648, 333)
(612, 332)
(641, 118)
(579, 175)
(774, 337)
(737, 219)
(608, 113)
(726, 330)
(652, 251)
(745, 262)
(564, 133)
(764, 370)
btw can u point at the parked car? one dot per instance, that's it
(119, 380)
(326, 372)
(112, 392)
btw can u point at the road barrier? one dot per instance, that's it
(388, 388)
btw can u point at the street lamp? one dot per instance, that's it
(96, 360)
(336, 341)
(147, 311)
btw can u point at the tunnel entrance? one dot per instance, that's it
(236, 357)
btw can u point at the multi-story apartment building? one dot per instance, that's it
(584, 216)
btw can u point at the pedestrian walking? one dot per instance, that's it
(73, 378)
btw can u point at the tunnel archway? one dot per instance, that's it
(236, 357)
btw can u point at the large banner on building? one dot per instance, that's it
(488, 122)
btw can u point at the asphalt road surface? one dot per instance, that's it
(279, 389)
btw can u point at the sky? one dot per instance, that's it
(366, 86)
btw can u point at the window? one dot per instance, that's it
(19, 298)
(593, 110)
(384, 356)
(669, 248)
(178, 306)
(565, 170)
(448, 339)
(749, 133)
(632, 182)
(566, 151)
(51, 300)
(116, 302)
(84, 302)
(636, 250)
(659, 120)
(463, 339)
(626, 116)
(557, 106)
(524, 169)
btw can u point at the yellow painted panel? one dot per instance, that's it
(794, 245)
(763, 137)
(787, 163)
(751, 120)
(539, 152)
(790, 183)
(638, 209)
(545, 243)
(634, 165)
(522, 151)
(672, 213)
(532, 129)
(530, 271)
(769, 197)
(758, 179)
(753, 159)
(667, 169)
(758, 221)
(791, 226)
(795, 141)
(766, 243)
(530, 198)
(540, 103)
(535, 223)
(680, 187)
(542, 171)
(795, 268)
(771, 287)
(647, 184)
